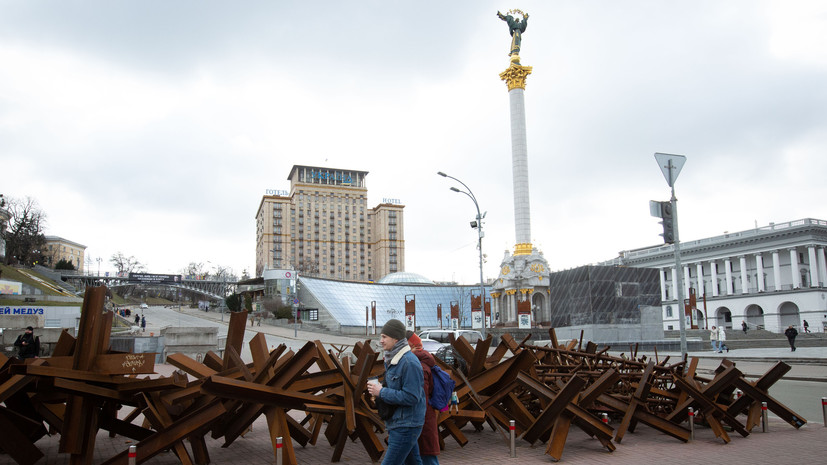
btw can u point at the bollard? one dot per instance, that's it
(132, 456)
(691, 424)
(824, 409)
(605, 418)
(764, 418)
(513, 438)
(278, 451)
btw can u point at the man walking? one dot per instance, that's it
(791, 333)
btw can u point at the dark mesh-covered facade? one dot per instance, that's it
(601, 295)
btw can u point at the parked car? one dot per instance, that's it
(435, 339)
(144, 306)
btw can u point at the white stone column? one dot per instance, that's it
(794, 268)
(728, 271)
(776, 270)
(742, 262)
(519, 166)
(686, 283)
(674, 283)
(662, 285)
(814, 278)
(713, 274)
(513, 311)
(822, 265)
(700, 279)
(759, 271)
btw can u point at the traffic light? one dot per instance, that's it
(668, 222)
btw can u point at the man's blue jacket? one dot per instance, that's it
(405, 390)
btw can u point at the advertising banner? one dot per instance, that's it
(149, 278)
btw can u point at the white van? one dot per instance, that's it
(434, 339)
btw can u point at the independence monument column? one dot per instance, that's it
(522, 286)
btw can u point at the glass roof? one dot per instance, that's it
(346, 301)
(404, 277)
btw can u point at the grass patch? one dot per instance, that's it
(37, 303)
(12, 274)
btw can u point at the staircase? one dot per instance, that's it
(756, 338)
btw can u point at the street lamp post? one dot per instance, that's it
(99, 266)
(478, 225)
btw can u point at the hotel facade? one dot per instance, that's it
(322, 227)
(769, 277)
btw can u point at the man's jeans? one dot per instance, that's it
(429, 460)
(715, 345)
(402, 447)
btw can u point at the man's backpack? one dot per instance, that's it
(443, 388)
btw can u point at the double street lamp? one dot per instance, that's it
(478, 226)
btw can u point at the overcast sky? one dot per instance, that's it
(154, 127)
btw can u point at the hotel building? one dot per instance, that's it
(322, 227)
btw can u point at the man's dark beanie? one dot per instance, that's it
(30, 328)
(394, 329)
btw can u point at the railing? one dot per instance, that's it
(630, 254)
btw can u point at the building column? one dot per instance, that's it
(728, 271)
(776, 270)
(822, 265)
(742, 261)
(759, 273)
(662, 285)
(814, 277)
(700, 279)
(794, 268)
(674, 284)
(512, 312)
(686, 283)
(713, 274)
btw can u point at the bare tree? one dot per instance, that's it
(222, 273)
(25, 240)
(194, 269)
(125, 265)
(462, 295)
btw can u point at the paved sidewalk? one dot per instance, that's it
(782, 444)
(280, 331)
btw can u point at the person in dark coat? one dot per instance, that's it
(143, 323)
(28, 346)
(429, 438)
(137, 320)
(791, 333)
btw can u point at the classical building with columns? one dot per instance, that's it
(770, 277)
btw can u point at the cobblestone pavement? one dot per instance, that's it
(782, 444)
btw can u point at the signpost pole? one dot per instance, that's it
(671, 166)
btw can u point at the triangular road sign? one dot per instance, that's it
(667, 160)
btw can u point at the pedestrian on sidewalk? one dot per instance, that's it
(722, 340)
(28, 345)
(143, 324)
(429, 438)
(791, 333)
(405, 392)
(713, 339)
(137, 320)
(744, 326)
(806, 326)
